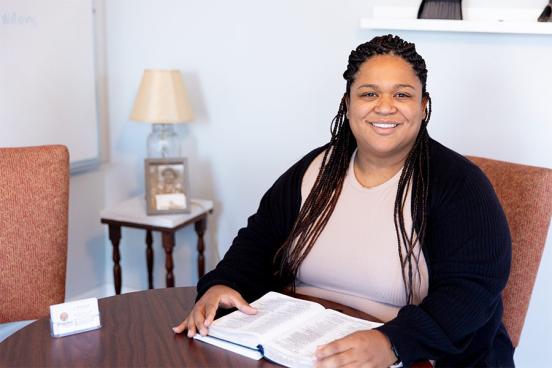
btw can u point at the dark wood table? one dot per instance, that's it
(136, 332)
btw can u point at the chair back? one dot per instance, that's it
(34, 198)
(525, 193)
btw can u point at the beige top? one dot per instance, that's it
(355, 260)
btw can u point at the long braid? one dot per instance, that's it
(321, 201)
(416, 163)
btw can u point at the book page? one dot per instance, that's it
(276, 313)
(296, 346)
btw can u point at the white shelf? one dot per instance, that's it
(439, 25)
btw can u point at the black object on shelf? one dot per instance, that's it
(545, 15)
(440, 9)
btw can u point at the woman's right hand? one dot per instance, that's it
(203, 312)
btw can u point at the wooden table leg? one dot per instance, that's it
(149, 257)
(168, 245)
(115, 237)
(200, 227)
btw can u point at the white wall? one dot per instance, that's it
(86, 243)
(265, 81)
(87, 247)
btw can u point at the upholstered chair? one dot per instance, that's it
(34, 197)
(525, 193)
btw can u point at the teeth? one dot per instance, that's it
(384, 125)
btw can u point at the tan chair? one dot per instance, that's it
(525, 193)
(34, 198)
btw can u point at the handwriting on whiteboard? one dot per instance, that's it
(16, 19)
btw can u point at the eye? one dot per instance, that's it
(402, 95)
(368, 94)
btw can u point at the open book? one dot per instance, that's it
(285, 330)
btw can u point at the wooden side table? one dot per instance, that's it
(132, 213)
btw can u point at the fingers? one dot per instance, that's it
(337, 353)
(199, 319)
(191, 327)
(236, 300)
(187, 324)
(246, 308)
(192, 323)
(181, 327)
(204, 311)
(369, 348)
(210, 312)
(340, 359)
(334, 347)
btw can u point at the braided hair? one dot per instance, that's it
(321, 201)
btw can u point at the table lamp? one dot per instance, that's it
(162, 101)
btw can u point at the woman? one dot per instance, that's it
(384, 219)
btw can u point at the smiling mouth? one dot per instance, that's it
(384, 125)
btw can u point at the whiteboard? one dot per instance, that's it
(47, 77)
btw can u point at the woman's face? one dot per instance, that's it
(169, 176)
(385, 107)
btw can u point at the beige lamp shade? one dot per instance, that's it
(162, 98)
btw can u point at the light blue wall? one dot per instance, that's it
(265, 80)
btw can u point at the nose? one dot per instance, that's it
(385, 105)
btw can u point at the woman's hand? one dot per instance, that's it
(359, 349)
(203, 312)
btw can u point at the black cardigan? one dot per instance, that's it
(467, 251)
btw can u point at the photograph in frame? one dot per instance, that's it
(167, 186)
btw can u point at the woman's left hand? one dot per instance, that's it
(359, 349)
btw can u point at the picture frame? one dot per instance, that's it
(167, 186)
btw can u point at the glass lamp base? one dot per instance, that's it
(163, 141)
